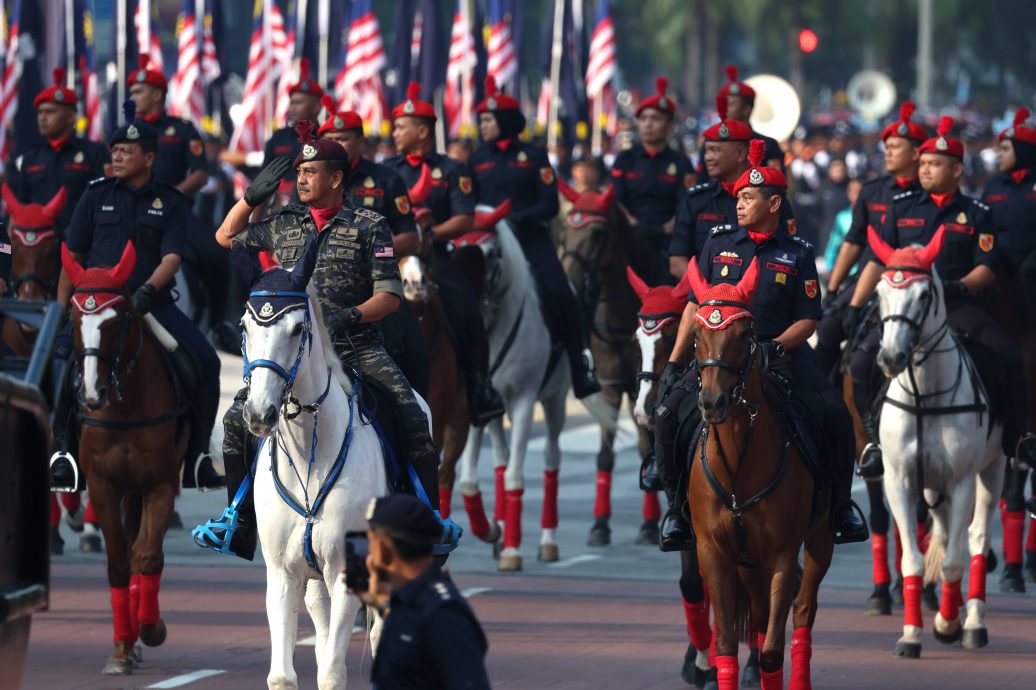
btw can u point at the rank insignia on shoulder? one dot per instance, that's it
(904, 195)
(804, 243)
(983, 206)
(722, 228)
(99, 180)
(367, 213)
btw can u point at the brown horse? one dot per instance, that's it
(35, 267)
(131, 446)
(597, 246)
(751, 496)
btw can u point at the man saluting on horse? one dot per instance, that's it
(785, 307)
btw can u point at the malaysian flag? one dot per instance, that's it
(84, 52)
(147, 33)
(601, 69)
(283, 37)
(12, 70)
(358, 85)
(459, 101)
(256, 121)
(186, 88)
(502, 60)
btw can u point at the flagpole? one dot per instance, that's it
(555, 75)
(271, 92)
(595, 143)
(70, 45)
(120, 55)
(324, 10)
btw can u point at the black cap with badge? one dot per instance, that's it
(406, 516)
(133, 131)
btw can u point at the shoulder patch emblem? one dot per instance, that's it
(811, 288)
(196, 147)
(464, 183)
(986, 242)
(403, 204)
(547, 175)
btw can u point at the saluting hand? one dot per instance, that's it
(267, 181)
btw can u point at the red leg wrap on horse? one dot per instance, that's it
(977, 578)
(727, 672)
(476, 516)
(912, 586)
(134, 604)
(880, 558)
(71, 501)
(1014, 525)
(922, 537)
(149, 597)
(899, 550)
(603, 501)
(652, 508)
(498, 505)
(758, 642)
(1030, 539)
(513, 519)
(949, 607)
(771, 680)
(89, 516)
(801, 653)
(120, 615)
(698, 630)
(549, 519)
(445, 497)
(55, 511)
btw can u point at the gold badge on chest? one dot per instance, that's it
(671, 170)
(962, 218)
(522, 157)
(436, 174)
(369, 183)
(79, 157)
(157, 203)
(781, 278)
(170, 131)
(725, 271)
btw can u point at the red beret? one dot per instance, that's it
(727, 130)
(316, 149)
(942, 143)
(57, 93)
(305, 84)
(904, 127)
(759, 175)
(1016, 131)
(496, 99)
(659, 101)
(143, 75)
(733, 87)
(413, 106)
(341, 121)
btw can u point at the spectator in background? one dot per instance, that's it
(842, 220)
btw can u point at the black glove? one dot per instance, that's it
(828, 304)
(267, 181)
(343, 320)
(771, 352)
(953, 289)
(850, 320)
(143, 298)
(671, 375)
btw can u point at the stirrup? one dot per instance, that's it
(65, 455)
(871, 470)
(452, 532)
(206, 536)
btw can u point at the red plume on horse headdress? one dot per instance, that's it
(718, 317)
(107, 285)
(906, 264)
(33, 217)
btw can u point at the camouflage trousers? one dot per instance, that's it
(376, 365)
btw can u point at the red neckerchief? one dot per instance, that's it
(354, 164)
(58, 143)
(905, 182)
(150, 119)
(728, 187)
(322, 216)
(942, 200)
(1019, 175)
(759, 237)
(415, 159)
(502, 144)
(650, 153)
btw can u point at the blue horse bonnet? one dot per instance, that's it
(273, 295)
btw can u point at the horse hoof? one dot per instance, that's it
(57, 544)
(548, 553)
(90, 543)
(74, 520)
(648, 534)
(690, 673)
(116, 666)
(880, 602)
(600, 533)
(153, 634)
(494, 534)
(711, 680)
(930, 598)
(750, 676)
(907, 650)
(975, 638)
(1011, 580)
(509, 563)
(498, 546)
(896, 592)
(949, 638)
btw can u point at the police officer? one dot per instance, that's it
(508, 169)
(134, 206)
(358, 284)
(650, 180)
(785, 309)
(64, 161)
(431, 638)
(1011, 195)
(902, 139)
(967, 264)
(303, 104)
(375, 187)
(444, 190)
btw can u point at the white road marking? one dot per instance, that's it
(575, 560)
(177, 681)
(310, 641)
(473, 591)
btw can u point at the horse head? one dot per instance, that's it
(725, 345)
(280, 329)
(101, 317)
(595, 239)
(910, 299)
(658, 320)
(34, 245)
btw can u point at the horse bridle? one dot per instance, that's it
(49, 287)
(115, 380)
(737, 389)
(655, 321)
(915, 325)
(591, 286)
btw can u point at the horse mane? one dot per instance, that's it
(330, 355)
(513, 257)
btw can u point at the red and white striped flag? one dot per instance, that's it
(459, 100)
(601, 68)
(147, 35)
(358, 85)
(91, 101)
(502, 63)
(255, 124)
(210, 67)
(12, 71)
(283, 40)
(186, 89)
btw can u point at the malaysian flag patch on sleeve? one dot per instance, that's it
(385, 252)
(5, 248)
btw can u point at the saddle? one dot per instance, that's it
(377, 407)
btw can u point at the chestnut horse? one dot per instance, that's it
(596, 255)
(131, 446)
(751, 496)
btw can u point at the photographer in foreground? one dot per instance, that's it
(431, 638)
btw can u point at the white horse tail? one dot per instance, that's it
(933, 557)
(605, 415)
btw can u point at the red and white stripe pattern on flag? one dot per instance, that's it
(91, 101)
(358, 85)
(502, 63)
(12, 71)
(601, 67)
(210, 67)
(415, 38)
(459, 100)
(283, 39)
(185, 88)
(255, 125)
(147, 35)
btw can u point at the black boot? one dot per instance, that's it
(200, 474)
(650, 479)
(64, 471)
(242, 531)
(584, 380)
(847, 523)
(1026, 451)
(675, 533)
(484, 403)
(870, 466)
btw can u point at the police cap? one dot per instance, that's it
(406, 516)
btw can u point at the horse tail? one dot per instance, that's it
(743, 629)
(934, 556)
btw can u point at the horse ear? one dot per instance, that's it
(749, 281)
(68, 262)
(487, 220)
(927, 255)
(11, 201)
(880, 247)
(637, 283)
(247, 264)
(56, 204)
(567, 191)
(303, 270)
(122, 271)
(422, 188)
(682, 289)
(695, 280)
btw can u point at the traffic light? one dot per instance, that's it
(808, 41)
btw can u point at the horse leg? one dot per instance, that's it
(880, 601)
(554, 415)
(318, 604)
(148, 560)
(818, 552)
(901, 493)
(501, 456)
(988, 485)
(955, 515)
(454, 438)
(283, 593)
(108, 509)
(469, 490)
(721, 581)
(331, 670)
(600, 531)
(514, 482)
(696, 613)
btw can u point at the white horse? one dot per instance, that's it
(938, 441)
(317, 458)
(523, 372)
